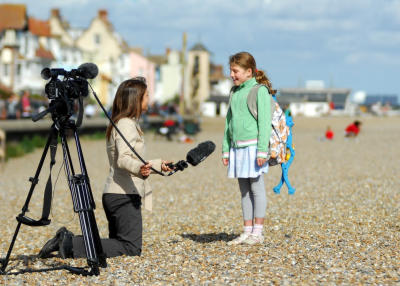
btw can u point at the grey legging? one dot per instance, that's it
(254, 200)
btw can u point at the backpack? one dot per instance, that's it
(280, 130)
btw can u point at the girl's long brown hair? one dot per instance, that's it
(127, 101)
(247, 61)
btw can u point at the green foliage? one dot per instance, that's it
(26, 145)
(38, 141)
(14, 150)
(38, 97)
(174, 100)
(29, 144)
(95, 136)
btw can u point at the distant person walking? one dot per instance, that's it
(13, 111)
(245, 143)
(25, 105)
(353, 129)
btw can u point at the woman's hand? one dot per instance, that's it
(145, 170)
(225, 161)
(164, 166)
(261, 161)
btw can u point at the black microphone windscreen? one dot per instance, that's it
(46, 73)
(198, 154)
(88, 70)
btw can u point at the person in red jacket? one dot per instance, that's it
(353, 129)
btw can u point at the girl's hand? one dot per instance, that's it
(145, 170)
(164, 166)
(261, 161)
(225, 161)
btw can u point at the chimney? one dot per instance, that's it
(55, 13)
(168, 50)
(103, 15)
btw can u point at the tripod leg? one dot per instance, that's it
(34, 181)
(89, 196)
(84, 204)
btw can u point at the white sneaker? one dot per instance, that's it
(240, 239)
(254, 239)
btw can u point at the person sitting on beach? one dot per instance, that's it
(126, 186)
(353, 129)
(245, 144)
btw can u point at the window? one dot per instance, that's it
(6, 69)
(97, 39)
(317, 97)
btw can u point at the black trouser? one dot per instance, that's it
(124, 217)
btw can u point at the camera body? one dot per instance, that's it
(71, 88)
(62, 93)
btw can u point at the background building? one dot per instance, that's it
(197, 78)
(142, 66)
(314, 99)
(28, 45)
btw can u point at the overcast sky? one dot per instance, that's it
(347, 43)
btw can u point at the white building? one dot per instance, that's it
(314, 99)
(170, 77)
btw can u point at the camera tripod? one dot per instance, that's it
(82, 199)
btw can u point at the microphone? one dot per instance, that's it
(88, 70)
(193, 157)
(198, 154)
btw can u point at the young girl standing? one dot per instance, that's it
(245, 144)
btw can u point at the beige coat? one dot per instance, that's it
(124, 176)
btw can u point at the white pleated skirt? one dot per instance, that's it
(243, 163)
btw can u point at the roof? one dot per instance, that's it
(158, 59)
(41, 52)
(137, 50)
(216, 72)
(38, 27)
(199, 47)
(13, 16)
(55, 13)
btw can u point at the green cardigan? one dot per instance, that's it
(241, 128)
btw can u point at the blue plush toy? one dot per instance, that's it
(290, 154)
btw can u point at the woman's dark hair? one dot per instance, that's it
(247, 61)
(127, 101)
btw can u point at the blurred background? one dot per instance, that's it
(325, 57)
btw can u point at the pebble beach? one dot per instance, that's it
(341, 227)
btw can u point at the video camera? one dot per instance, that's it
(62, 93)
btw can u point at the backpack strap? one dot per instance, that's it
(252, 100)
